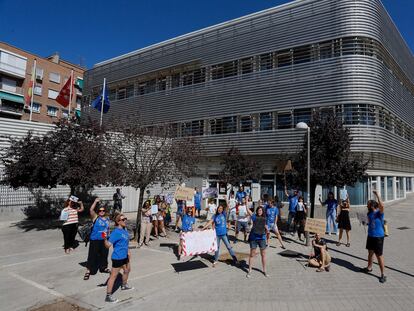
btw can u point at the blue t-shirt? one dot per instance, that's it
(240, 195)
(271, 213)
(331, 206)
(253, 236)
(119, 239)
(101, 225)
(376, 224)
(180, 206)
(293, 201)
(197, 199)
(187, 223)
(220, 224)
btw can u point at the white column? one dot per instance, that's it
(385, 189)
(404, 180)
(394, 187)
(379, 185)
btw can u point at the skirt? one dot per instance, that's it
(343, 220)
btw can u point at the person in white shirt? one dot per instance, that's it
(211, 208)
(242, 220)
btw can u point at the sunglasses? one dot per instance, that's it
(123, 219)
(101, 210)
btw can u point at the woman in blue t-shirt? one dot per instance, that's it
(187, 223)
(375, 239)
(98, 253)
(258, 238)
(219, 222)
(121, 256)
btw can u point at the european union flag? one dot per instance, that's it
(97, 103)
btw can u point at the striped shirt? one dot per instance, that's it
(73, 216)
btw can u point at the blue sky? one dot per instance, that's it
(99, 30)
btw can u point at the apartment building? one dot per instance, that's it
(16, 66)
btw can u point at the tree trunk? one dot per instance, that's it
(139, 213)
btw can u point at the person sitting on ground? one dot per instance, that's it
(320, 258)
(98, 253)
(272, 213)
(121, 256)
(242, 223)
(187, 224)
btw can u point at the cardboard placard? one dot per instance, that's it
(343, 194)
(315, 225)
(154, 209)
(184, 193)
(199, 242)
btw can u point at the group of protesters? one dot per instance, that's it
(255, 222)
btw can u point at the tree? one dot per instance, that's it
(70, 154)
(237, 168)
(148, 155)
(331, 163)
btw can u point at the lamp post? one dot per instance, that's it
(304, 126)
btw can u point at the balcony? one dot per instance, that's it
(11, 70)
(12, 108)
(11, 89)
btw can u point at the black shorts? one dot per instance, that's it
(118, 263)
(376, 245)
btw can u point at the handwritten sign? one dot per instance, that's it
(154, 209)
(184, 193)
(315, 225)
(199, 242)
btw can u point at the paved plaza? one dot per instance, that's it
(35, 271)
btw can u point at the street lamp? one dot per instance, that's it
(304, 126)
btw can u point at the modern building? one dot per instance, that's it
(16, 66)
(248, 81)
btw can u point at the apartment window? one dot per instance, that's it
(197, 128)
(265, 120)
(36, 107)
(65, 113)
(302, 115)
(162, 84)
(230, 68)
(8, 85)
(142, 88)
(54, 77)
(194, 76)
(266, 61)
(52, 94)
(284, 120)
(217, 72)
(246, 124)
(175, 80)
(246, 65)
(121, 93)
(186, 129)
(325, 50)
(284, 58)
(302, 54)
(52, 111)
(37, 90)
(13, 63)
(199, 75)
(129, 91)
(216, 126)
(229, 125)
(39, 73)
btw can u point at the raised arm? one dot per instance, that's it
(380, 203)
(286, 192)
(320, 201)
(92, 209)
(81, 208)
(249, 212)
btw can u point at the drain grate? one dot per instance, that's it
(403, 228)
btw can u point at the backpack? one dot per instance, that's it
(86, 230)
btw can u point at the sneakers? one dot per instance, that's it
(248, 275)
(110, 299)
(126, 287)
(383, 279)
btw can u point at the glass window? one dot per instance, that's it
(121, 93)
(302, 115)
(37, 90)
(302, 54)
(175, 80)
(54, 77)
(266, 120)
(358, 194)
(130, 91)
(39, 73)
(266, 61)
(151, 84)
(111, 94)
(36, 107)
(142, 88)
(64, 113)
(408, 184)
(284, 58)
(230, 69)
(390, 193)
(230, 124)
(325, 50)
(52, 94)
(400, 187)
(246, 124)
(246, 65)
(52, 111)
(284, 120)
(217, 72)
(162, 84)
(216, 126)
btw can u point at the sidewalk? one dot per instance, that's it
(35, 271)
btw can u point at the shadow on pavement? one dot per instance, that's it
(37, 224)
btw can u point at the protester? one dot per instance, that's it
(70, 226)
(300, 217)
(272, 213)
(293, 201)
(211, 208)
(146, 225)
(156, 217)
(231, 204)
(98, 253)
(197, 201)
(121, 256)
(344, 222)
(240, 194)
(249, 203)
(188, 222)
(117, 197)
(331, 206)
(167, 218)
(257, 237)
(375, 239)
(320, 258)
(162, 212)
(242, 223)
(220, 225)
(179, 214)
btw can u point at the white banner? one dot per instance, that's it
(199, 242)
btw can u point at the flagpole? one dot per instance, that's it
(103, 101)
(70, 92)
(33, 86)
